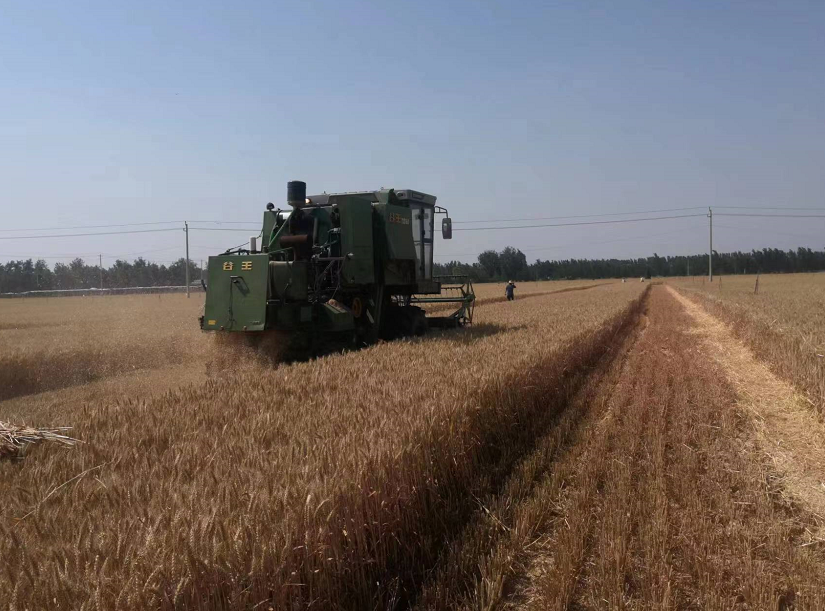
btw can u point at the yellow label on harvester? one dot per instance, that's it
(212, 322)
(228, 266)
(246, 266)
(394, 217)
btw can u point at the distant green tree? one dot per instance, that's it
(489, 261)
(513, 264)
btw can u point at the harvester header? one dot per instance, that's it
(357, 265)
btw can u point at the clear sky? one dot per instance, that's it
(116, 112)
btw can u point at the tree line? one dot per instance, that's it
(511, 264)
(30, 275)
(492, 266)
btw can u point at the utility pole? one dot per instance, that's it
(688, 266)
(710, 251)
(186, 231)
(100, 267)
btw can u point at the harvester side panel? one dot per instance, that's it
(356, 241)
(397, 225)
(238, 291)
(395, 239)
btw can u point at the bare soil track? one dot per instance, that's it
(484, 301)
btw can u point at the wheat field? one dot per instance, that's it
(782, 318)
(568, 450)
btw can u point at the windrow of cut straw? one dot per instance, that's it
(784, 323)
(14, 440)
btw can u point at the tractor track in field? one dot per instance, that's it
(571, 289)
(502, 298)
(502, 535)
(650, 491)
(788, 431)
(485, 301)
(529, 406)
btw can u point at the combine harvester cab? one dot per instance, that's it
(355, 266)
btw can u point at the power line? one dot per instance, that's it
(58, 255)
(600, 243)
(108, 226)
(579, 216)
(142, 252)
(658, 218)
(94, 226)
(546, 218)
(81, 255)
(224, 222)
(777, 216)
(772, 232)
(612, 241)
(765, 208)
(532, 226)
(36, 257)
(654, 218)
(258, 229)
(78, 235)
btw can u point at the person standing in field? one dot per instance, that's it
(510, 291)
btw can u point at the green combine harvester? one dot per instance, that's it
(351, 267)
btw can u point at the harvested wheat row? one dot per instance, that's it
(784, 323)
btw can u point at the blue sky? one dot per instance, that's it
(142, 112)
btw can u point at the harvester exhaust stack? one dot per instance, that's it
(296, 194)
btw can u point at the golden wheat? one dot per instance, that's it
(647, 493)
(565, 450)
(334, 480)
(784, 322)
(50, 343)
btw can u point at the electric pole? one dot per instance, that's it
(100, 267)
(710, 251)
(186, 231)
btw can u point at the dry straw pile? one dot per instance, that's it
(14, 440)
